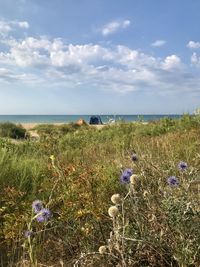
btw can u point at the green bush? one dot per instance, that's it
(11, 130)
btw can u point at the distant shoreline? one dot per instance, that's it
(65, 119)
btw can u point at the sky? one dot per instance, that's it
(99, 56)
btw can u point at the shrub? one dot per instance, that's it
(11, 130)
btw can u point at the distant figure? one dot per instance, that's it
(95, 120)
(81, 122)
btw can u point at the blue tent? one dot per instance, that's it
(95, 120)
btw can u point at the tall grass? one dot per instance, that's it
(76, 184)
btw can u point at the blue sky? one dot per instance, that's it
(99, 56)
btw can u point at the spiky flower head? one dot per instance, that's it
(182, 166)
(116, 199)
(44, 215)
(37, 206)
(134, 157)
(113, 211)
(102, 249)
(173, 181)
(28, 233)
(125, 177)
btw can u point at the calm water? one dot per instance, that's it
(73, 118)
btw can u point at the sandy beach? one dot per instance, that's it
(30, 126)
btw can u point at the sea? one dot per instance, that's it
(73, 118)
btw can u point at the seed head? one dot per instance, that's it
(145, 193)
(116, 199)
(133, 178)
(102, 249)
(113, 211)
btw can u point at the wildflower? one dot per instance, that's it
(113, 211)
(182, 166)
(28, 233)
(52, 157)
(125, 177)
(37, 206)
(102, 249)
(133, 178)
(44, 215)
(134, 157)
(173, 181)
(116, 199)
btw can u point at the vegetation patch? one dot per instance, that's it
(11, 130)
(125, 195)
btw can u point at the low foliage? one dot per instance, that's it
(74, 173)
(11, 130)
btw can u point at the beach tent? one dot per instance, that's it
(95, 120)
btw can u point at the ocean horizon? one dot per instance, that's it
(73, 118)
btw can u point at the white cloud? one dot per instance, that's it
(9, 26)
(171, 62)
(158, 43)
(193, 45)
(114, 26)
(53, 62)
(4, 27)
(195, 59)
(23, 24)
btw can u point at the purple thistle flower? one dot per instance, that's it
(182, 166)
(28, 233)
(44, 215)
(173, 181)
(134, 157)
(37, 206)
(125, 177)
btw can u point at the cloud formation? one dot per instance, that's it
(193, 45)
(117, 68)
(52, 62)
(9, 26)
(114, 26)
(158, 43)
(195, 59)
(172, 62)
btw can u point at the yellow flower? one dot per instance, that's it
(52, 157)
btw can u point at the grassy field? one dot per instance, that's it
(74, 171)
